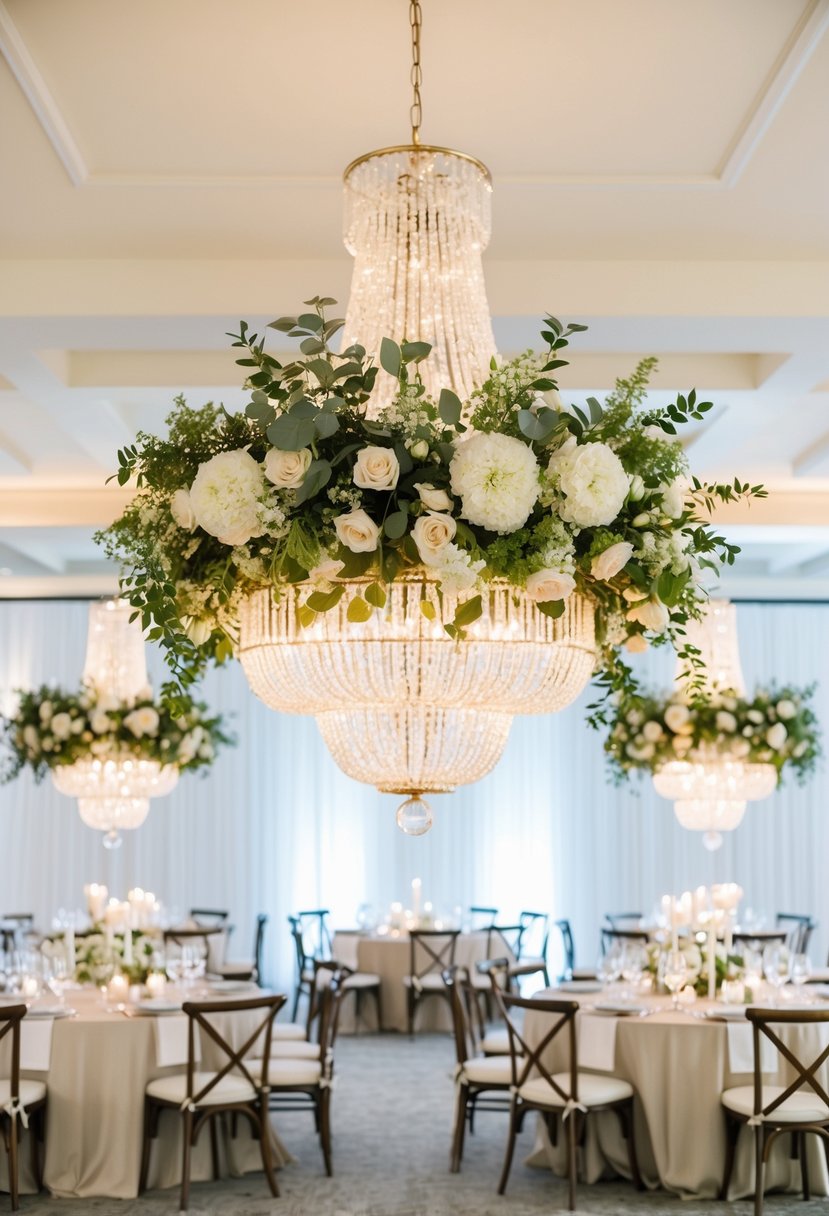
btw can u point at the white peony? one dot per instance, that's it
(644, 751)
(61, 726)
(497, 479)
(676, 717)
(357, 531)
(286, 470)
(614, 559)
(786, 709)
(142, 721)
(376, 469)
(673, 497)
(432, 533)
(99, 722)
(547, 585)
(726, 722)
(776, 736)
(650, 613)
(225, 497)
(594, 483)
(652, 731)
(432, 498)
(181, 510)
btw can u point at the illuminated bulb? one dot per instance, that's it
(414, 816)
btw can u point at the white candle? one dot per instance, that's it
(674, 925)
(118, 990)
(29, 986)
(96, 897)
(729, 933)
(69, 946)
(156, 984)
(712, 960)
(416, 889)
(128, 947)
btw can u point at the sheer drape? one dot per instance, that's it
(275, 826)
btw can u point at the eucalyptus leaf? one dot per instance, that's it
(310, 320)
(327, 424)
(414, 352)
(449, 407)
(468, 612)
(396, 525)
(324, 601)
(317, 476)
(390, 357)
(553, 608)
(291, 433)
(358, 610)
(375, 595)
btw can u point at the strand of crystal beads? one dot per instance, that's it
(711, 775)
(514, 660)
(415, 748)
(416, 223)
(117, 776)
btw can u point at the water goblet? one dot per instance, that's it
(609, 966)
(634, 961)
(675, 974)
(801, 973)
(777, 964)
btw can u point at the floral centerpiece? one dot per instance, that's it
(98, 956)
(776, 726)
(51, 728)
(311, 488)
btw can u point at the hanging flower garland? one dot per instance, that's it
(776, 726)
(307, 487)
(51, 728)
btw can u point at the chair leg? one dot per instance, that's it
(297, 994)
(511, 1134)
(33, 1140)
(145, 1148)
(804, 1165)
(325, 1130)
(571, 1162)
(14, 1181)
(410, 1010)
(214, 1148)
(625, 1114)
(732, 1132)
(187, 1138)
(460, 1124)
(377, 998)
(472, 1109)
(265, 1145)
(759, 1171)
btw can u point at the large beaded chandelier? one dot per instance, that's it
(710, 790)
(114, 789)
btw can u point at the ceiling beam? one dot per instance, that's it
(68, 507)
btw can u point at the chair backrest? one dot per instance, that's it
(759, 940)
(535, 935)
(258, 947)
(211, 915)
(199, 1014)
(612, 937)
(316, 935)
(504, 939)
(331, 999)
(326, 973)
(800, 929)
(624, 920)
(525, 1059)
(303, 963)
(569, 947)
(465, 1039)
(10, 1018)
(480, 917)
(762, 1021)
(431, 951)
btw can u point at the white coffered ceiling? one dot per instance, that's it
(661, 172)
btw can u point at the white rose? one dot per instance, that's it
(61, 726)
(740, 747)
(673, 497)
(376, 469)
(225, 497)
(652, 731)
(608, 564)
(636, 644)
(726, 722)
(31, 738)
(801, 749)
(99, 722)
(637, 488)
(77, 726)
(326, 570)
(594, 484)
(181, 510)
(286, 470)
(755, 716)
(357, 531)
(634, 717)
(748, 732)
(432, 533)
(786, 709)
(433, 499)
(142, 721)
(676, 716)
(419, 449)
(776, 736)
(644, 752)
(650, 613)
(682, 744)
(497, 480)
(547, 585)
(45, 711)
(198, 630)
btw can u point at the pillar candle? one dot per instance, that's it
(128, 947)
(729, 932)
(416, 889)
(69, 946)
(118, 990)
(712, 960)
(674, 926)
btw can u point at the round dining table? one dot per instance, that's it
(96, 1062)
(678, 1062)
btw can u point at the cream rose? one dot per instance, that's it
(198, 630)
(142, 721)
(776, 736)
(432, 498)
(636, 644)
(376, 469)
(99, 722)
(652, 731)
(547, 585)
(676, 717)
(726, 722)
(357, 531)
(786, 709)
(609, 563)
(61, 726)
(286, 470)
(31, 738)
(432, 533)
(650, 613)
(181, 510)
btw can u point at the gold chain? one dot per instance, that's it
(416, 110)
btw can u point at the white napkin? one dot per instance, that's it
(597, 1042)
(741, 1049)
(171, 1040)
(36, 1044)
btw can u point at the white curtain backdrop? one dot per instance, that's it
(275, 826)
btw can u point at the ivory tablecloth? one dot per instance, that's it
(100, 1064)
(388, 957)
(679, 1065)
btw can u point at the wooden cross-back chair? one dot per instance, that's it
(775, 1110)
(531, 946)
(200, 1097)
(568, 1096)
(20, 1101)
(431, 951)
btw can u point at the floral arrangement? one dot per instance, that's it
(776, 726)
(311, 486)
(96, 958)
(726, 966)
(52, 728)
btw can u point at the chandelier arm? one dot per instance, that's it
(416, 109)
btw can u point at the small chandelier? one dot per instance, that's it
(417, 218)
(114, 789)
(710, 790)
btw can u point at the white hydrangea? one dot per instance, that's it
(497, 480)
(225, 497)
(593, 481)
(457, 572)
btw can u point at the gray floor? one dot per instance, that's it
(392, 1111)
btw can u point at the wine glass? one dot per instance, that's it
(675, 974)
(801, 970)
(609, 966)
(634, 961)
(55, 974)
(777, 965)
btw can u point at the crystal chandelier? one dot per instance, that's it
(417, 218)
(399, 704)
(710, 790)
(113, 790)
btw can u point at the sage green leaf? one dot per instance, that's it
(414, 352)
(428, 609)
(291, 433)
(553, 608)
(310, 320)
(376, 595)
(324, 601)
(390, 357)
(311, 346)
(358, 610)
(326, 424)
(317, 476)
(449, 407)
(396, 525)
(468, 612)
(323, 371)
